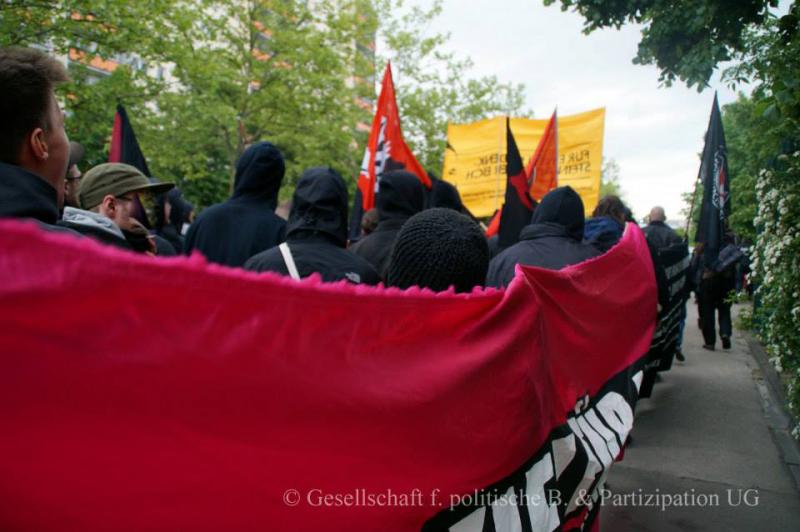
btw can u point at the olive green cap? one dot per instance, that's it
(115, 179)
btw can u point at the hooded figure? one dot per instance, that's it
(231, 232)
(400, 197)
(553, 239)
(442, 194)
(169, 227)
(438, 248)
(317, 233)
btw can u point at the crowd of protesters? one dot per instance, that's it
(414, 236)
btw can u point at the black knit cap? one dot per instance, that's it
(439, 248)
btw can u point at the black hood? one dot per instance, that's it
(259, 173)
(177, 210)
(177, 206)
(443, 194)
(401, 196)
(563, 207)
(26, 195)
(319, 205)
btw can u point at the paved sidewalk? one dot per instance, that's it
(705, 446)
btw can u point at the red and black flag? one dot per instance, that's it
(386, 151)
(716, 206)
(518, 206)
(542, 169)
(124, 146)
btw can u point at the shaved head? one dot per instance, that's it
(657, 214)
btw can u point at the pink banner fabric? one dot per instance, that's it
(171, 394)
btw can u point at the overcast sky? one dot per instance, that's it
(654, 134)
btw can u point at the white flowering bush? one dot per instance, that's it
(776, 267)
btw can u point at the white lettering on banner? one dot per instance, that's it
(506, 513)
(593, 468)
(543, 515)
(600, 430)
(563, 452)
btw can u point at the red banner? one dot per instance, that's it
(386, 150)
(172, 394)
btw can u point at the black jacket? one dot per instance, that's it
(553, 240)
(235, 230)
(660, 235)
(400, 197)
(23, 194)
(317, 233)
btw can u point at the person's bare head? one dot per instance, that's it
(657, 214)
(32, 133)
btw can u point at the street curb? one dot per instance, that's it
(779, 420)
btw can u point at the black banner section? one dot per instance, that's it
(671, 264)
(561, 486)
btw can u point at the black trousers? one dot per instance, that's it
(712, 306)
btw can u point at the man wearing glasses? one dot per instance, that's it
(113, 196)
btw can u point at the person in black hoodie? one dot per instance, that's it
(401, 196)
(317, 234)
(442, 194)
(553, 240)
(233, 231)
(170, 214)
(34, 149)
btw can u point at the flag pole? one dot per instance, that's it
(555, 124)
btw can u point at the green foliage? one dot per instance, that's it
(260, 69)
(100, 27)
(685, 39)
(744, 319)
(609, 179)
(691, 208)
(235, 72)
(777, 267)
(751, 144)
(770, 127)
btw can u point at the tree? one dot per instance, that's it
(92, 33)
(96, 27)
(261, 69)
(688, 40)
(609, 179)
(752, 142)
(685, 39)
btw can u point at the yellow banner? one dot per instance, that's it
(475, 159)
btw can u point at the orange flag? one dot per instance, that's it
(542, 170)
(386, 149)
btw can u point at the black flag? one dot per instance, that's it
(518, 206)
(125, 149)
(124, 146)
(716, 206)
